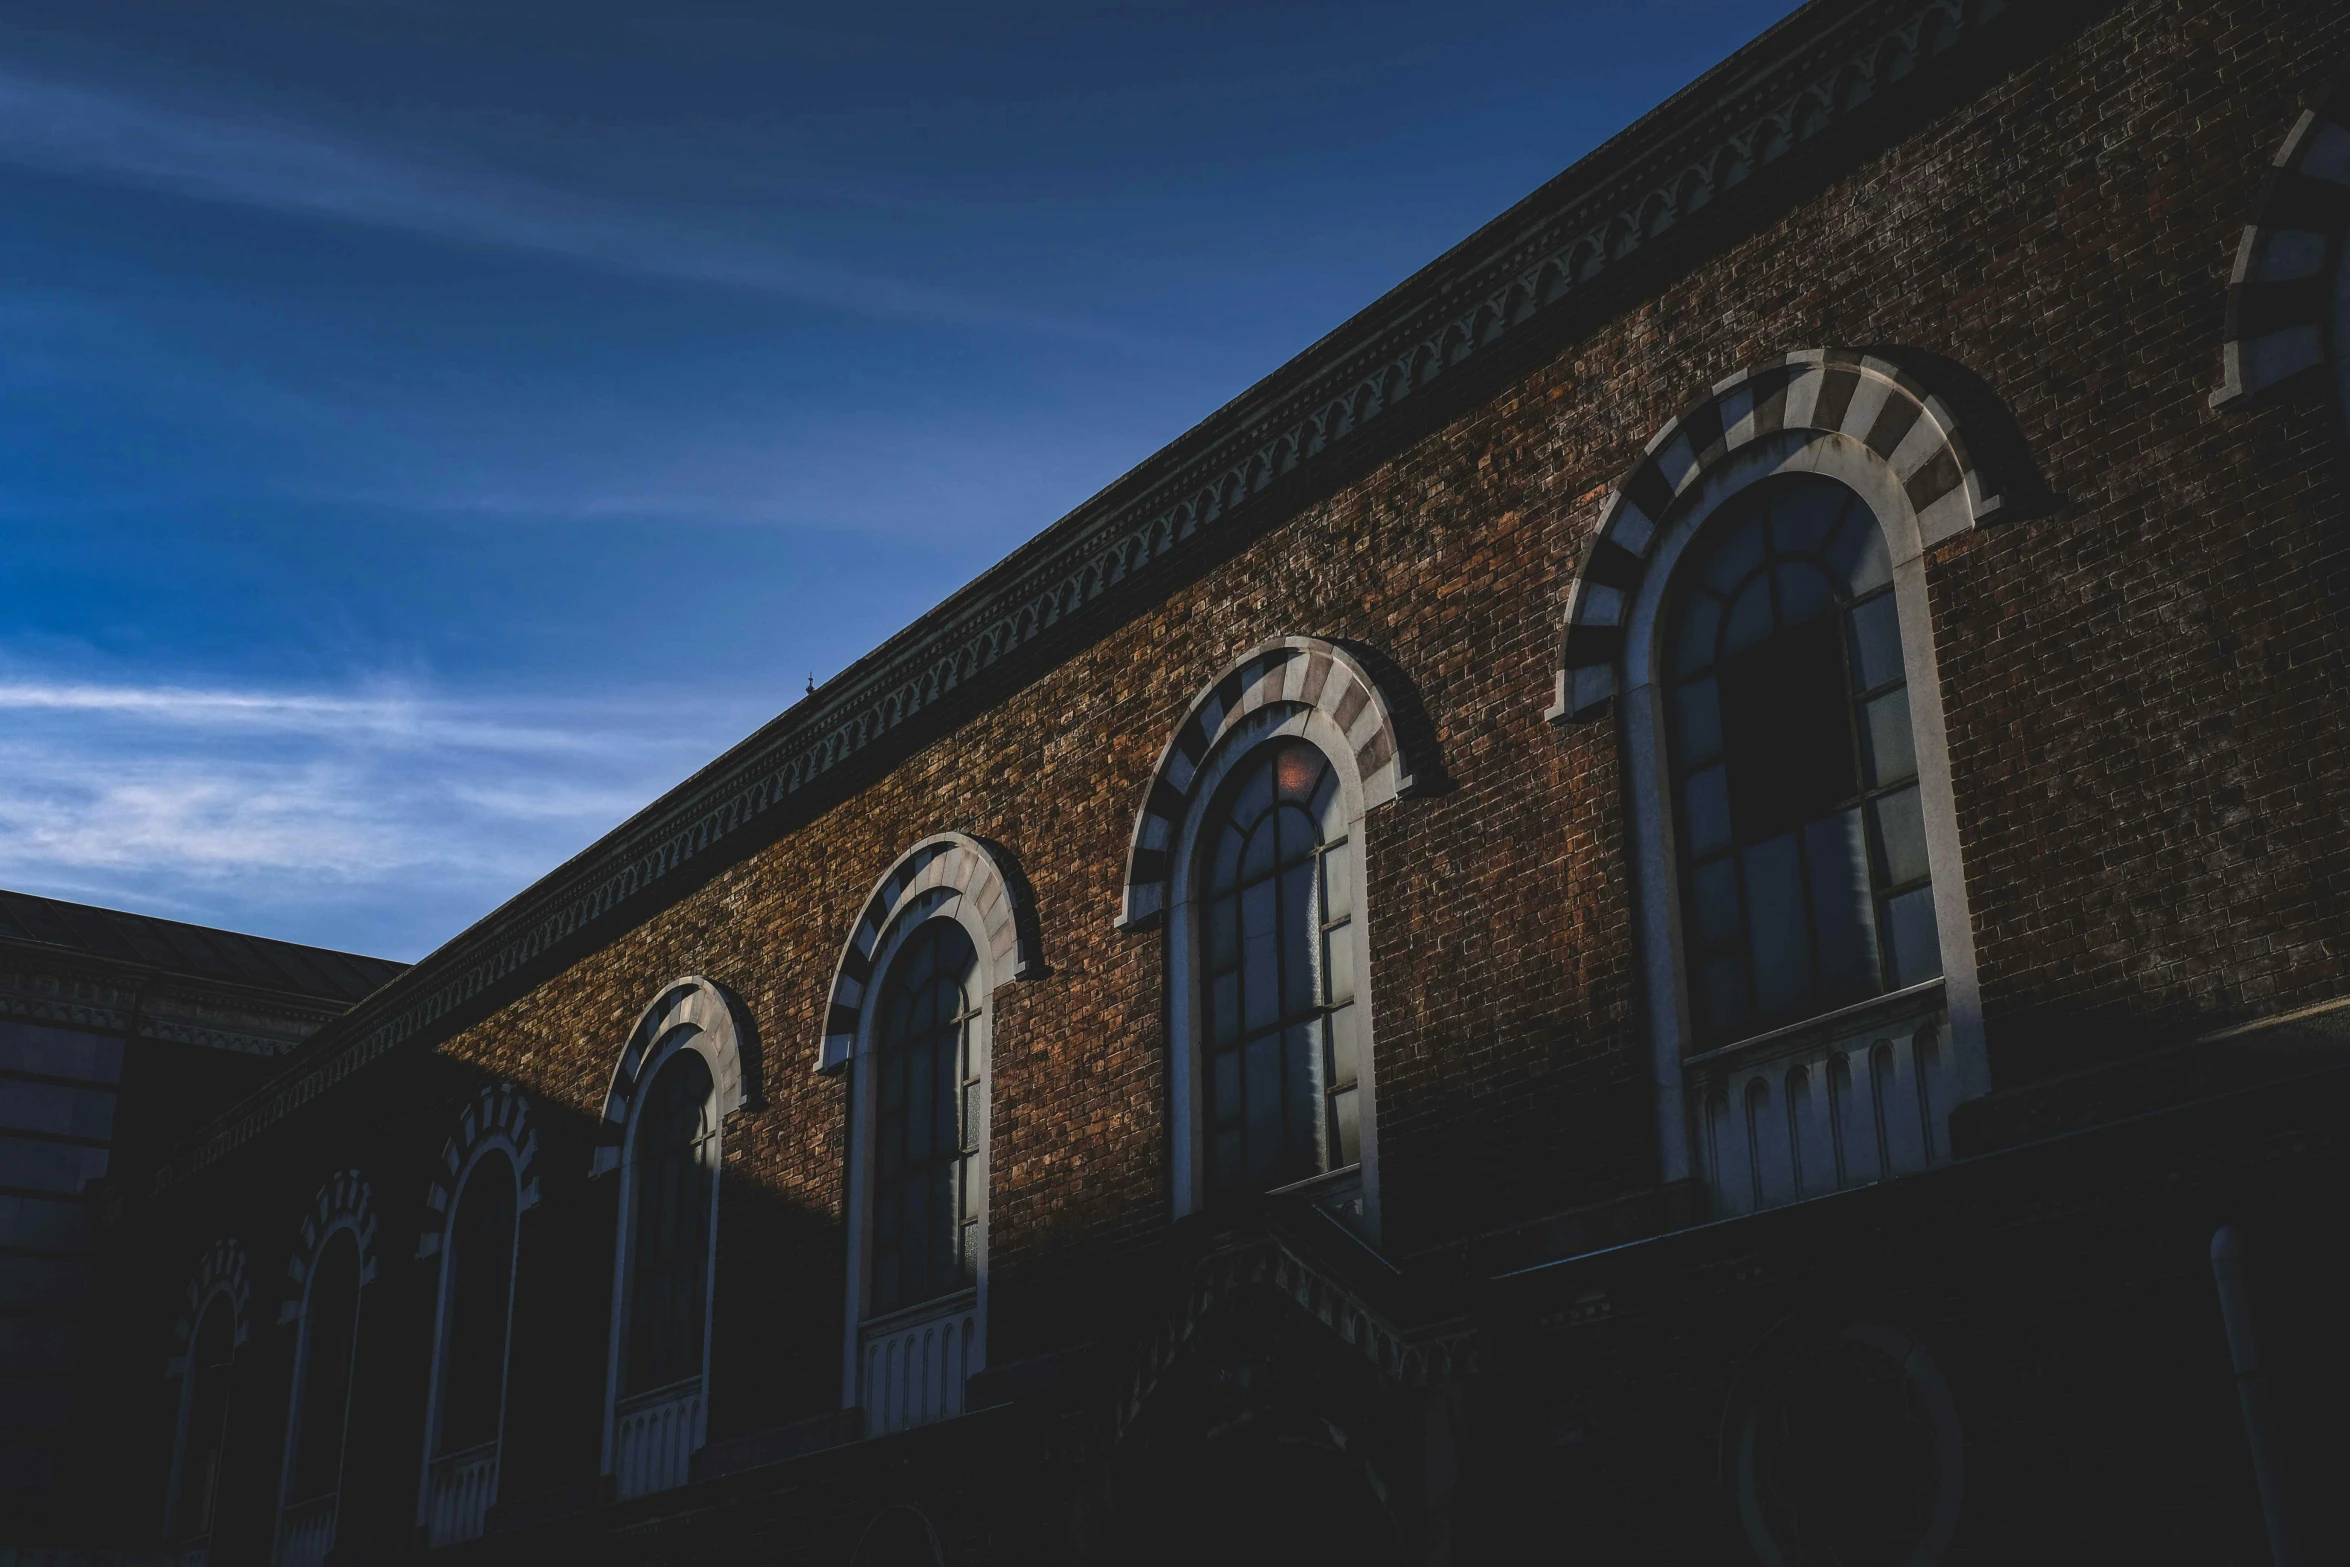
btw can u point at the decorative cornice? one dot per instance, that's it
(128, 1005)
(1807, 83)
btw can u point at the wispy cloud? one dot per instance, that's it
(284, 165)
(366, 818)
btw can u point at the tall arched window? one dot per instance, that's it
(321, 1402)
(911, 1019)
(1276, 975)
(1805, 885)
(204, 1396)
(676, 1169)
(928, 1199)
(469, 1396)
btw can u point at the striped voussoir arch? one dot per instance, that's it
(498, 1116)
(1830, 391)
(720, 1030)
(934, 876)
(1293, 673)
(221, 1270)
(2279, 295)
(346, 1201)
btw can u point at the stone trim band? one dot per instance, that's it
(1833, 391)
(499, 1114)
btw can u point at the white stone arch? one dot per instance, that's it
(913, 1368)
(1292, 688)
(450, 1504)
(344, 1204)
(649, 1449)
(1909, 530)
(220, 1279)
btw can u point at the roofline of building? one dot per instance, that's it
(1805, 85)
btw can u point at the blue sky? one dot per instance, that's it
(431, 428)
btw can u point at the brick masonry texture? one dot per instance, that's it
(2144, 681)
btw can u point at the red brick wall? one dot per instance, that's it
(2144, 692)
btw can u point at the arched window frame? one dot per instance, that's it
(344, 1205)
(496, 1120)
(1300, 688)
(693, 1014)
(1833, 455)
(951, 876)
(219, 1282)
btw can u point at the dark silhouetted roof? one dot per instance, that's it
(194, 950)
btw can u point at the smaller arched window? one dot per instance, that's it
(1804, 876)
(928, 1197)
(1277, 975)
(321, 1402)
(676, 1170)
(204, 1399)
(469, 1398)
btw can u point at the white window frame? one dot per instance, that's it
(681, 1034)
(341, 1223)
(1268, 725)
(864, 1098)
(443, 1300)
(1656, 873)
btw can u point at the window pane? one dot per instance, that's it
(1301, 1071)
(1297, 769)
(1876, 644)
(1787, 732)
(1804, 593)
(1297, 943)
(1231, 1171)
(1776, 927)
(1224, 1003)
(1901, 834)
(1338, 964)
(1261, 1069)
(1738, 551)
(1714, 903)
(1706, 801)
(1342, 1048)
(1858, 554)
(1721, 996)
(1917, 946)
(480, 1259)
(1226, 872)
(1225, 1082)
(1750, 618)
(1346, 1112)
(1885, 731)
(1842, 907)
(1693, 645)
(1802, 514)
(1337, 885)
(1697, 724)
(1259, 857)
(1260, 949)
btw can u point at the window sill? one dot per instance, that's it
(1897, 1003)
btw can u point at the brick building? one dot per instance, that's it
(117, 1031)
(1677, 899)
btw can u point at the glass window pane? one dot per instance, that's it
(1693, 645)
(1301, 835)
(1750, 618)
(1261, 1091)
(1802, 514)
(1342, 1047)
(1225, 875)
(1338, 965)
(1777, 931)
(1714, 902)
(1697, 724)
(1876, 644)
(1250, 800)
(1224, 1077)
(1721, 997)
(1260, 947)
(1231, 1169)
(1297, 939)
(1259, 857)
(1885, 732)
(1297, 770)
(1737, 551)
(1842, 907)
(1787, 732)
(1337, 885)
(1706, 801)
(1346, 1111)
(1804, 593)
(1301, 1072)
(1224, 1003)
(1901, 836)
(1858, 554)
(1917, 944)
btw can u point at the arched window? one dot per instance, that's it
(469, 1395)
(1805, 884)
(321, 1402)
(685, 1068)
(928, 1199)
(1276, 976)
(911, 1020)
(676, 1178)
(204, 1395)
